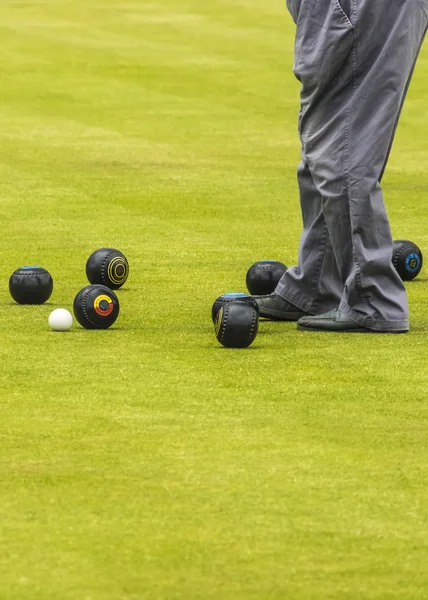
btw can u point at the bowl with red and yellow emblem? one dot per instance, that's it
(96, 307)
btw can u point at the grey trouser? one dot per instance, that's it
(354, 59)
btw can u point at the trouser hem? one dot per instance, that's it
(374, 324)
(309, 306)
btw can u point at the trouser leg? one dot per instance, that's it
(355, 68)
(316, 276)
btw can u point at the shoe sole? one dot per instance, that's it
(274, 315)
(357, 330)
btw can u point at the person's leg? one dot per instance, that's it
(355, 70)
(314, 285)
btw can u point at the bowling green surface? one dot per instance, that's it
(147, 461)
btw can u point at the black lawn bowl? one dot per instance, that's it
(107, 266)
(263, 277)
(96, 307)
(30, 285)
(407, 259)
(236, 325)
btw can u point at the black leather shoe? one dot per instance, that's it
(336, 321)
(275, 308)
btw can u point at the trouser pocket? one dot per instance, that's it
(347, 8)
(324, 40)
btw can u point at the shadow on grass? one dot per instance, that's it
(217, 347)
(274, 328)
(96, 330)
(12, 303)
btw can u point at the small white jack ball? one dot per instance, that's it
(60, 320)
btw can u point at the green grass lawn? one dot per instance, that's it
(146, 461)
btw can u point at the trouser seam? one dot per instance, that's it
(358, 281)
